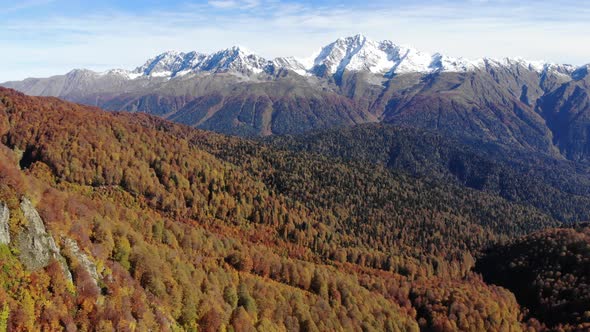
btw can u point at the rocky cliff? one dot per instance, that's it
(4, 226)
(37, 247)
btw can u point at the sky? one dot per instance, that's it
(40, 38)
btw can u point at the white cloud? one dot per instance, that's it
(224, 3)
(234, 4)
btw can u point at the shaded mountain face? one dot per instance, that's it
(567, 112)
(529, 105)
(548, 272)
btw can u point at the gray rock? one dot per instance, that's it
(82, 258)
(4, 225)
(36, 246)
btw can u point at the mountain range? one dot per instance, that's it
(370, 187)
(355, 53)
(532, 106)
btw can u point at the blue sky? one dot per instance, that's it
(47, 37)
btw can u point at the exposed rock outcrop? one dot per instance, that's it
(4, 225)
(72, 247)
(36, 246)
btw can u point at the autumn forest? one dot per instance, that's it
(127, 222)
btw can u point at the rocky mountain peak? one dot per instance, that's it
(581, 72)
(354, 53)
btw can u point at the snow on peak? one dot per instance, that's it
(354, 53)
(358, 53)
(540, 67)
(291, 63)
(173, 64)
(234, 58)
(166, 64)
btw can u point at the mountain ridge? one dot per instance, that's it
(351, 81)
(353, 53)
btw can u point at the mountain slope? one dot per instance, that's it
(548, 272)
(224, 102)
(193, 229)
(351, 81)
(559, 188)
(567, 110)
(155, 226)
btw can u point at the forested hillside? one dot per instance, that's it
(151, 225)
(549, 272)
(558, 187)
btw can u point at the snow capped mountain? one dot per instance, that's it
(235, 91)
(169, 64)
(173, 64)
(235, 58)
(291, 63)
(356, 53)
